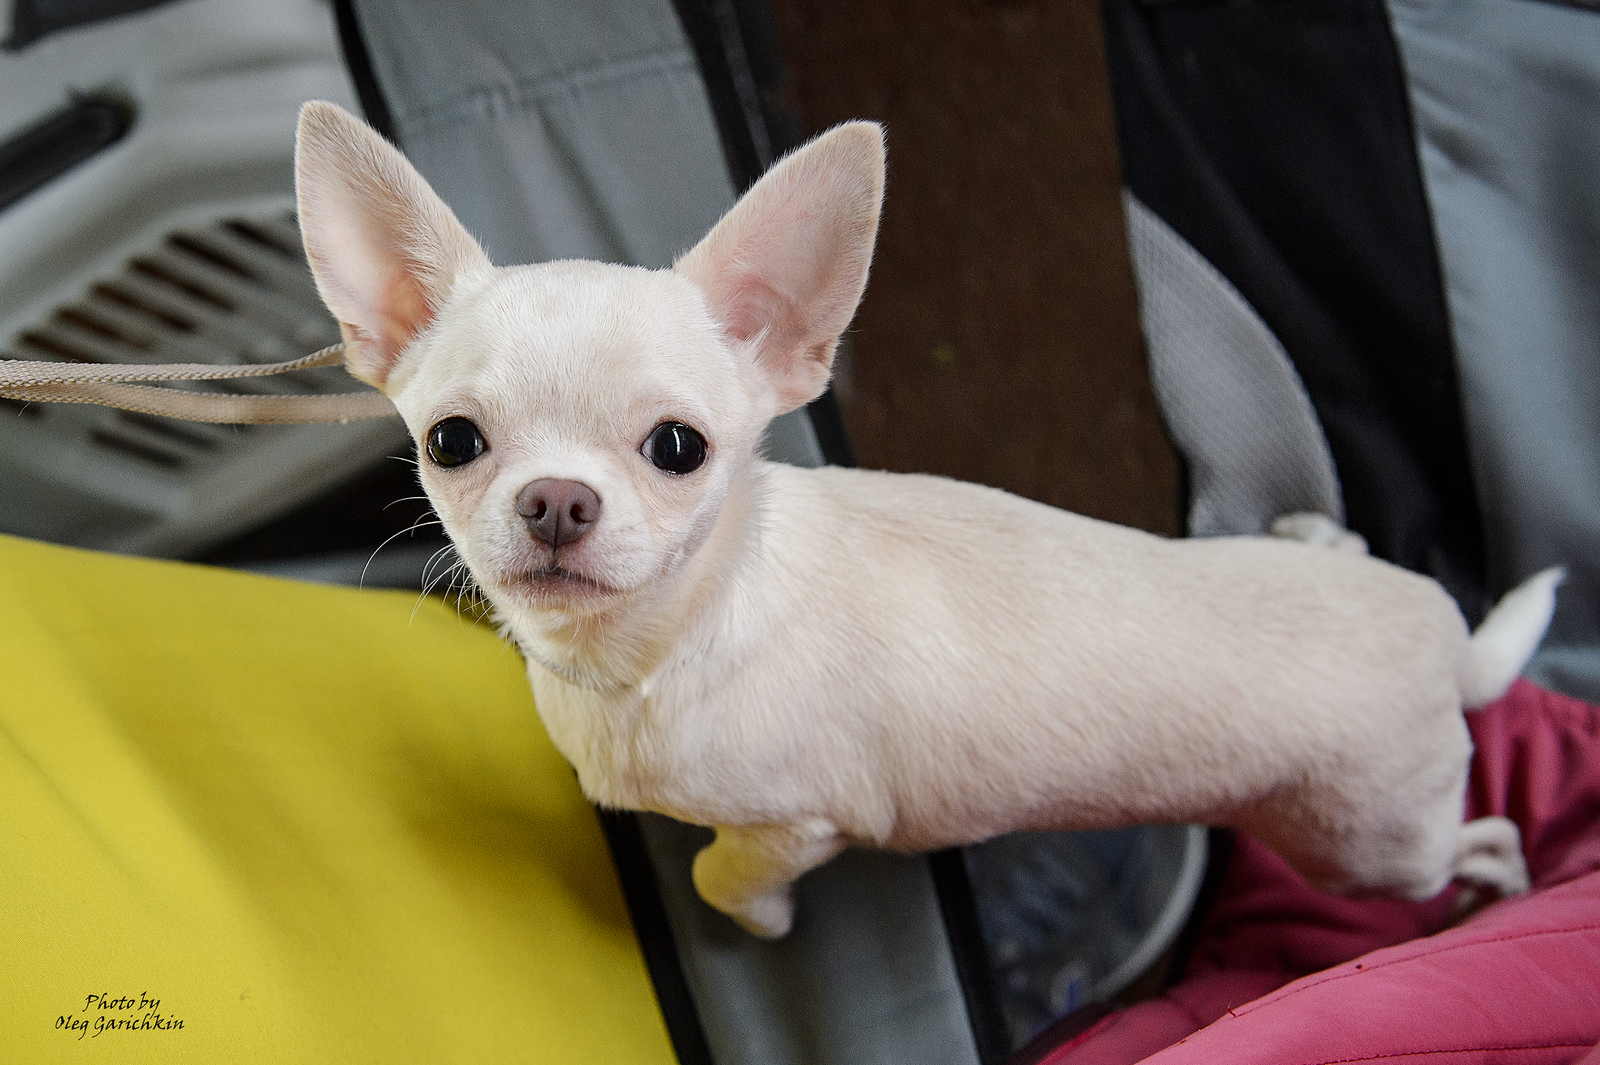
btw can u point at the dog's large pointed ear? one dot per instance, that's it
(384, 249)
(787, 265)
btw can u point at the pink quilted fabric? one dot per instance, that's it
(1286, 975)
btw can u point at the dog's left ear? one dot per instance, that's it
(787, 265)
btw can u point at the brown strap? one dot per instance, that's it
(68, 382)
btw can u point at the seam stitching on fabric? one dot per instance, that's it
(1332, 977)
(1459, 1050)
(548, 86)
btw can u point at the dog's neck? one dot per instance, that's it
(625, 645)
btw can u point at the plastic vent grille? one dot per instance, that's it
(235, 291)
(229, 291)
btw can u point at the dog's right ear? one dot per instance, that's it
(384, 249)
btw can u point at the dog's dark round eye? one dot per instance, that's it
(455, 442)
(675, 448)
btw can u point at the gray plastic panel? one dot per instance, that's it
(138, 256)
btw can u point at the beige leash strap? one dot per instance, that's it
(112, 386)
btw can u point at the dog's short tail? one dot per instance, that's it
(1508, 637)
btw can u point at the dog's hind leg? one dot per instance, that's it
(1489, 855)
(748, 871)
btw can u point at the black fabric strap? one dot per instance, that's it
(974, 971)
(654, 930)
(828, 423)
(359, 62)
(720, 49)
(736, 48)
(1277, 140)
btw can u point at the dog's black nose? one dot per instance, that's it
(558, 512)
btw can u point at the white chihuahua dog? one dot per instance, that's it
(807, 660)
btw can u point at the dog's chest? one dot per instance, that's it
(630, 746)
(597, 733)
(708, 758)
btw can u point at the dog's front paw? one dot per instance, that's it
(748, 871)
(769, 916)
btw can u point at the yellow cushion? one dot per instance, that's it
(267, 821)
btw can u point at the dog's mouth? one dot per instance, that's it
(557, 582)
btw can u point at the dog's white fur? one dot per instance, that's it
(812, 659)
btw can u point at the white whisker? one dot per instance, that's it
(387, 541)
